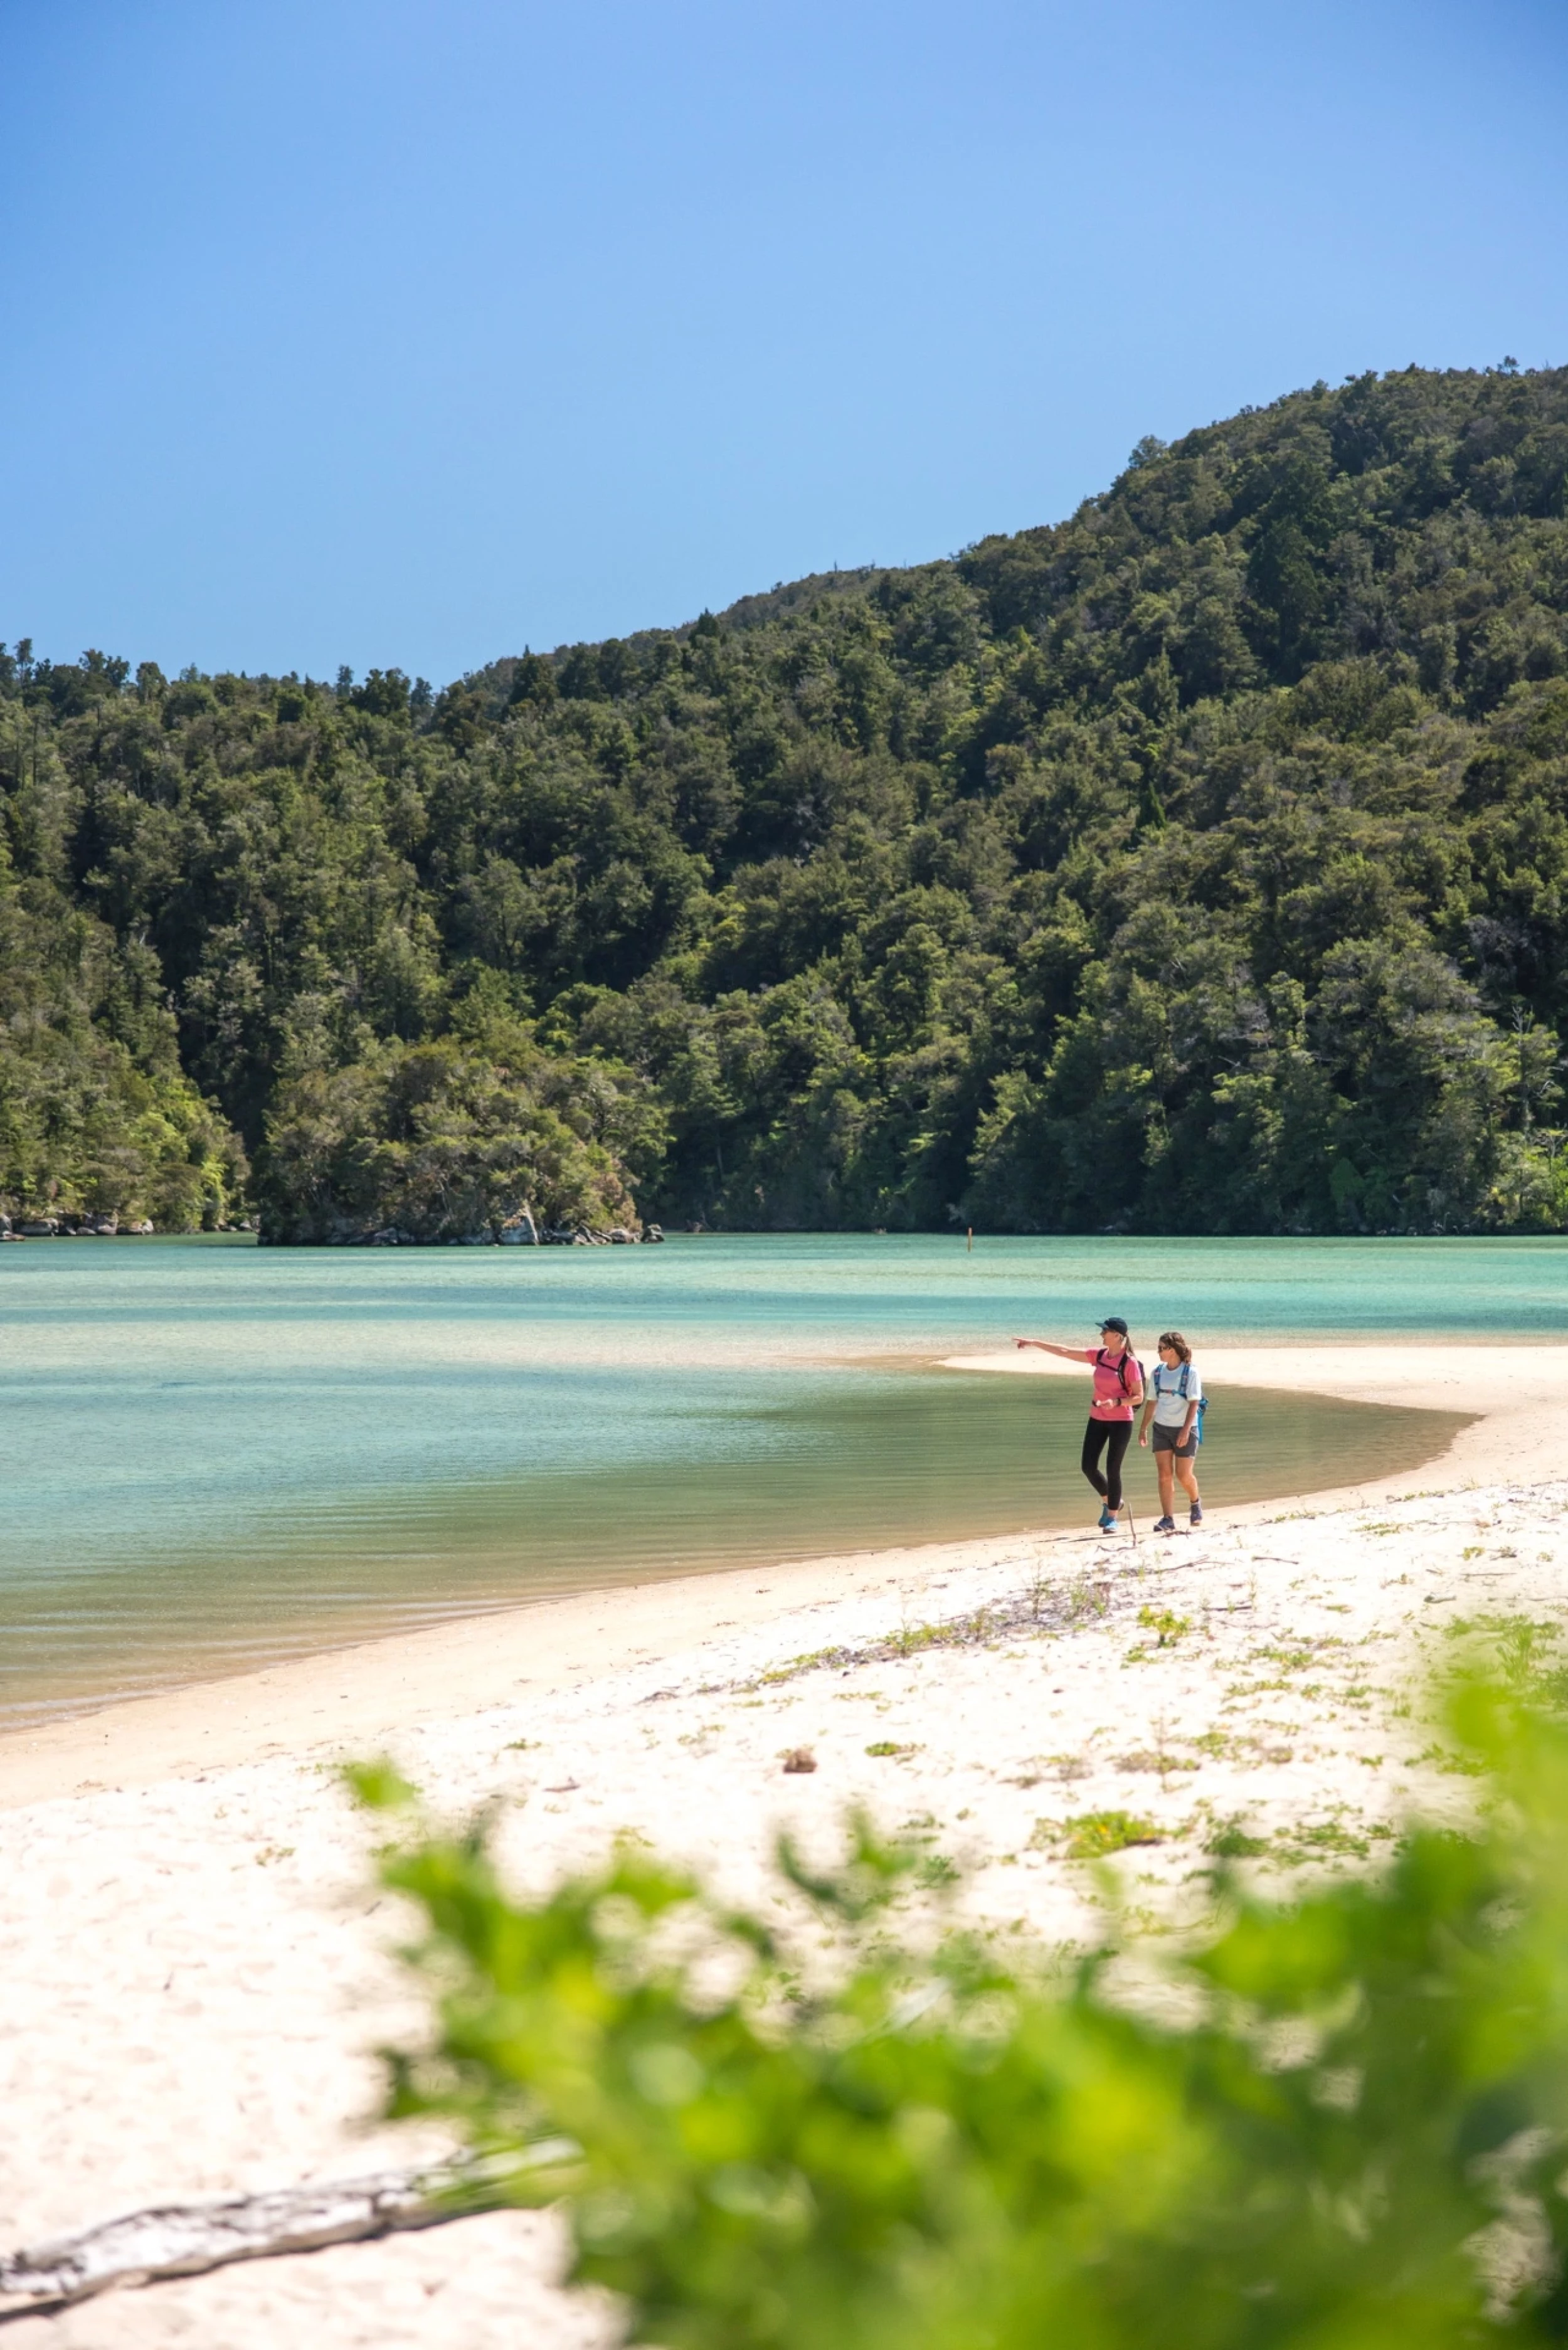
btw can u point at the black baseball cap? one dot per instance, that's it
(1115, 1321)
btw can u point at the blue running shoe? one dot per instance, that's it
(1108, 1523)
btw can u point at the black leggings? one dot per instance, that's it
(1112, 1437)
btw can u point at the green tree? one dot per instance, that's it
(977, 889)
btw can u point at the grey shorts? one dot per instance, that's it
(1168, 1440)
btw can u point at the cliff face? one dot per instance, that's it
(1195, 864)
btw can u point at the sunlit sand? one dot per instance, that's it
(196, 1971)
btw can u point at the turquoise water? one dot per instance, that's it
(216, 1455)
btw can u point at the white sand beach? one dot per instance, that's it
(196, 1962)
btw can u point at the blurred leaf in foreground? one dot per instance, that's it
(1348, 2129)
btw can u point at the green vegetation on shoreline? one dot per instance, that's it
(1197, 865)
(837, 2119)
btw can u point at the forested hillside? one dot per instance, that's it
(1196, 865)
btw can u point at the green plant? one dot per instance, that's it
(947, 2143)
(1169, 1626)
(1094, 1835)
(962, 2149)
(943, 2146)
(1231, 1841)
(1320, 1840)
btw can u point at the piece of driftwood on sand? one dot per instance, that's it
(180, 2240)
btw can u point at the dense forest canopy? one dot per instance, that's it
(1196, 865)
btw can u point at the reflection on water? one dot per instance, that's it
(216, 1456)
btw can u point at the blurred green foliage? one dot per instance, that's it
(1197, 864)
(1341, 2122)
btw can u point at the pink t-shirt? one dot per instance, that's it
(1112, 1398)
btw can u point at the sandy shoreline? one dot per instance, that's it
(194, 1963)
(364, 1693)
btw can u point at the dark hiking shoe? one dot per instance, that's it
(1196, 1517)
(1165, 1526)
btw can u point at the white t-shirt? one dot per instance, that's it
(1170, 1406)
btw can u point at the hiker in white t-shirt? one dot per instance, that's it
(1174, 1403)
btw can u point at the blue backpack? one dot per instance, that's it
(1202, 1403)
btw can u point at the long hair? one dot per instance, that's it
(1176, 1343)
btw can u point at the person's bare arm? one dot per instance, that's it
(1068, 1353)
(1148, 1416)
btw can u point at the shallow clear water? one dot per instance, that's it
(216, 1455)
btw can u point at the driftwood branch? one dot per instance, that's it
(187, 2239)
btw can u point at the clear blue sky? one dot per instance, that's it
(410, 331)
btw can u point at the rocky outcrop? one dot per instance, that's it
(520, 1229)
(586, 1236)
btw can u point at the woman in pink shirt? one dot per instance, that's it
(1119, 1391)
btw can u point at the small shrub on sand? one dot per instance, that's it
(1346, 2126)
(1232, 1841)
(1094, 1835)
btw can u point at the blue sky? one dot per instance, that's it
(411, 332)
